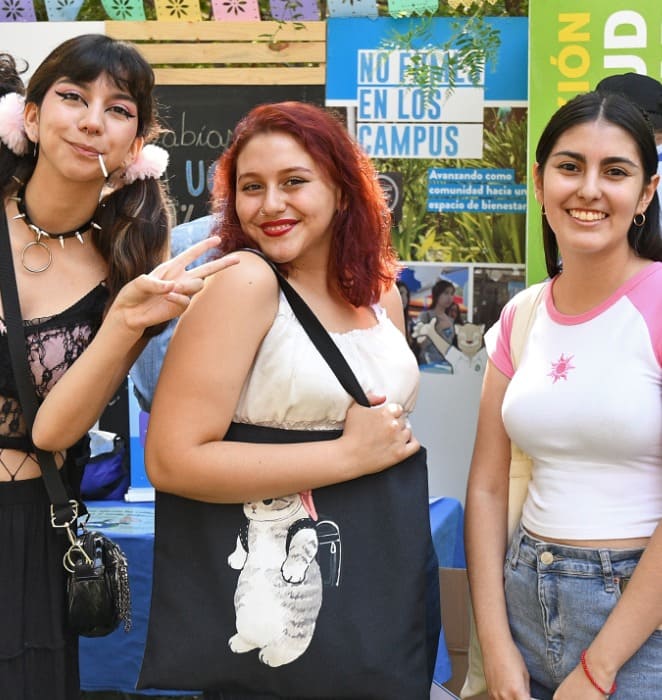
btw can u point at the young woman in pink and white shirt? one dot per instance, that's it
(576, 612)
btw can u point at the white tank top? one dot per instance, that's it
(291, 386)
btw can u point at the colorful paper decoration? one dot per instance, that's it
(352, 8)
(466, 4)
(17, 11)
(294, 10)
(235, 10)
(128, 10)
(178, 10)
(406, 8)
(63, 10)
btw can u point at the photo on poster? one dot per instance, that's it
(493, 286)
(449, 307)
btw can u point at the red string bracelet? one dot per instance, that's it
(594, 683)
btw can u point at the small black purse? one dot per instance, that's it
(98, 596)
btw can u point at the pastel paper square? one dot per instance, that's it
(17, 11)
(406, 8)
(352, 8)
(63, 10)
(235, 10)
(294, 10)
(178, 10)
(126, 10)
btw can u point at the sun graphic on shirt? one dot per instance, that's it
(561, 367)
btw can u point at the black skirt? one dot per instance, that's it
(38, 656)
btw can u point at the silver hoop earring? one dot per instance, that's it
(542, 210)
(639, 224)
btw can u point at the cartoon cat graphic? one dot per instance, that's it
(279, 590)
(470, 338)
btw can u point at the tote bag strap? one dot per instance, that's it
(63, 511)
(319, 336)
(523, 320)
(520, 462)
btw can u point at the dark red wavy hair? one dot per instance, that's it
(362, 260)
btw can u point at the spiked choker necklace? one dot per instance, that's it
(40, 232)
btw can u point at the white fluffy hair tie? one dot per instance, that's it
(12, 124)
(152, 161)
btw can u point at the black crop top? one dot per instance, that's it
(54, 343)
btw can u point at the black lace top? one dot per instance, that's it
(54, 343)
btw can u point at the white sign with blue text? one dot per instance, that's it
(397, 115)
(396, 118)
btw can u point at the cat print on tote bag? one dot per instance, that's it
(285, 555)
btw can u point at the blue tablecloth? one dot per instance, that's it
(447, 524)
(113, 662)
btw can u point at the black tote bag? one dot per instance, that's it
(264, 598)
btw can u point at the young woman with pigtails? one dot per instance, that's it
(88, 224)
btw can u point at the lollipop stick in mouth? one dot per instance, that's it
(102, 164)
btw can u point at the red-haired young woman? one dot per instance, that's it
(294, 185)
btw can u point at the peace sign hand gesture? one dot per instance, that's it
(166, 291)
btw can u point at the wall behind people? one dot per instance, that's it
(33, 41)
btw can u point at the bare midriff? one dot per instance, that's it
(17, 466)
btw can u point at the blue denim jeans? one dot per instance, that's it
(558, 598)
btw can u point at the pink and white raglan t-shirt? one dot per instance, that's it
(586, 404)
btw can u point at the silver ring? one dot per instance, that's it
(41, 244)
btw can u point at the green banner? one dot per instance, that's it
(572, 45)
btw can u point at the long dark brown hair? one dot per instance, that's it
(134, 220)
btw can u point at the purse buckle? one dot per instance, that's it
(74, 554)
(74, 517)
(76, 551)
